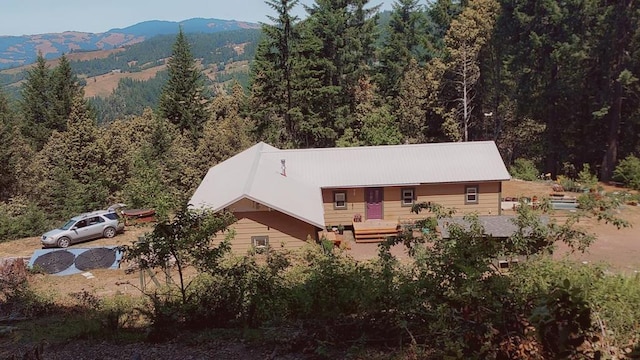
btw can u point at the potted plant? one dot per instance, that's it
(340, 229)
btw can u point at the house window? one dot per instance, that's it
(260, 242)
(340, 200)
(408, 197)
(471, 195)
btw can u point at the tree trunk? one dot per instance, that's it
(611, 154)
(623, 27)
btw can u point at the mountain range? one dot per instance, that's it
(22, 50)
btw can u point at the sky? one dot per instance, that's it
(30, 17)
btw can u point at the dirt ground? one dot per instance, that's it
(619, 249)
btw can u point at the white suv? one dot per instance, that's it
(89, 226)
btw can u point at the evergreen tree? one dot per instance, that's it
(7, 127)
(441, 13)
(121, 139)
(36, 104)
(375, 123)
(65, 89)
(337, 52)
(225, 133)
(182, 101)
(69, 174)
(407, 39)
(620, 25)
(563, 57)
(272, 76)
(420, 112)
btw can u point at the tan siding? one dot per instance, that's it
(453, 196)
(283, 230)
(447, 195)
(245, 204)
(393, 209)
(355, 205)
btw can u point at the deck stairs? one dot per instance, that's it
(369, 231)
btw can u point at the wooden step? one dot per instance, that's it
(376, 231)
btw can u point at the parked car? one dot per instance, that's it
(88, 226)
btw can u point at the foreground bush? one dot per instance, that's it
(450, 301)
(613, 299)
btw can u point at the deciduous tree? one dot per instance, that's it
(468, 33)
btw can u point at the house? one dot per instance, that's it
(284, 197)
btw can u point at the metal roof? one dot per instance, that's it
(395, 164)
(249, 175)
(497, 226)
(256, 173)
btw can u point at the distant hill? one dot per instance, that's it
(23, 50)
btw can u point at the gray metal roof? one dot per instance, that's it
(497, 226)
(500, 226)
(395, 165)
(249, 175)
(256, 173)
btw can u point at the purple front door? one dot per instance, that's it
(373, 198)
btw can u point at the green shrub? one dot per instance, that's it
(628, 172)
(524, 169)
(586, 179)
(20, 218)
(614, 300)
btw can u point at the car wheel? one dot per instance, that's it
(63, 242)
(109, 232)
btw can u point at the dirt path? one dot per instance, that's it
(618, 249)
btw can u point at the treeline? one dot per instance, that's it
(554, 82)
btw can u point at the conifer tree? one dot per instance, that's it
(183, 101)
(272, 76)
(65, 89)
(36, 104)
(441, 13)
(8, 176)
(69, 173)
(407, 39)
(337, 49)
(225, 132)
(420, 112)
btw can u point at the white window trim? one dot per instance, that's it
(336, 198)
(403, 197)
(471, 191)
(260, 238)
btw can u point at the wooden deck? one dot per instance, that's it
(374, 230)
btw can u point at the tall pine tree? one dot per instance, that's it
(407, 39)
(272, 89)
(467, 35)
(37, 103)
(337, 51)
(183, 101)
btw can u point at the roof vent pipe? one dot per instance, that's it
(284, 167)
